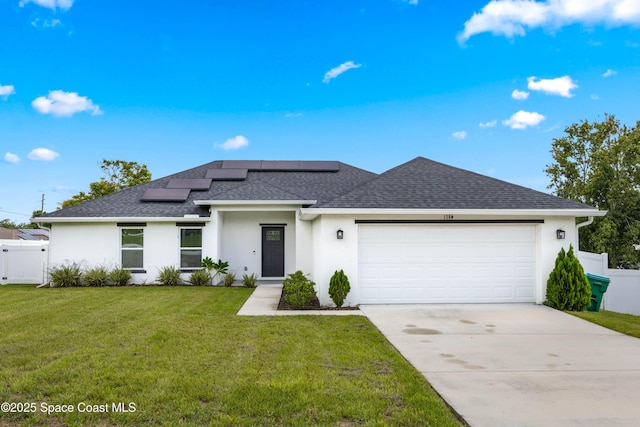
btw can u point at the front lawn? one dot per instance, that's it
(625, 323)
(183, 357)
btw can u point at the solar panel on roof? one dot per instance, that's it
(227, 174)
(34, 231)
(165, 195)
(282, 165)
(27, 236)
(321, 166)
(190, 183)
(279, 165)
(242, 164)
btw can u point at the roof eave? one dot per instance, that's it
(92, 219)
(254, 205)
(254, 202)
(312, 213)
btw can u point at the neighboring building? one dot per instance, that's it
(23, 234)
(422, 232)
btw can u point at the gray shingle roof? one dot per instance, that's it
(417, 184)
(259, 185)
(424, 184)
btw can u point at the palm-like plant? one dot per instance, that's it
(220, 267)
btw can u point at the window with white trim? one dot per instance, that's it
(190, 248)
(132, 248)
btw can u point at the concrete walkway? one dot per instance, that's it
(264, 302)
(518, 364)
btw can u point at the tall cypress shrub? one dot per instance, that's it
(339, 287)
(568, 287)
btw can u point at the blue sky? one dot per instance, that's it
(482, 85)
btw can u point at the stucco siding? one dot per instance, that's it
(241, 240)
(331, 254)
(90, 244)
(550, 246)
(98, 244)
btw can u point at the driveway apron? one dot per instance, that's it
(518, 364)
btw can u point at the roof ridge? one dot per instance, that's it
(376, 178)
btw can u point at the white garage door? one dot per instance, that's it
(442, 263)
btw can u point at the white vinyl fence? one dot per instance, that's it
(623, 293)
(23, 262)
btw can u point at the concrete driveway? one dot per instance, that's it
(518, 364)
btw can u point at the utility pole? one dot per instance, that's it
(42, 204)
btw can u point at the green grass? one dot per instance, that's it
(184, 358)
(625, 323)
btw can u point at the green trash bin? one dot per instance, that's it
(599, 285)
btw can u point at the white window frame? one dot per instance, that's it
(189, 248)
(124, 249)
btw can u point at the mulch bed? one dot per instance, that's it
(315, 305)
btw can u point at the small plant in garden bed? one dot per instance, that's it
(229, 278)
(169, 276)
(339, 288)
(120, 277)
(65, 276)
(200, 278)
(220, 268)
(249, 281)
(96, 276)
(299, 291)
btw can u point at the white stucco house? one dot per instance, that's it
(422, 232)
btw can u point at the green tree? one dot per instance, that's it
(7, 223)
(598, 163)
(34, 214)
(118, 174)
(568, 287)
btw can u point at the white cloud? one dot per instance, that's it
(234, 143)
(609, 73)
(11, 158)
(7, 90)
(61, 103)
(289, 115)
(561, 86)
(594, 96)
(50, 4)
(510, 17)
(460, 135)
(412, 2)
(336, 71)
(523, 119)
(520, 95)
(42, 154)
(490, 124)
(41, 23)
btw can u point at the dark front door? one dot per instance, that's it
(272, 251)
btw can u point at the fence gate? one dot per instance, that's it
(23, 262)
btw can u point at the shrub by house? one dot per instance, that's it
(568, 287)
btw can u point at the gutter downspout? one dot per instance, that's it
(589, 221)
